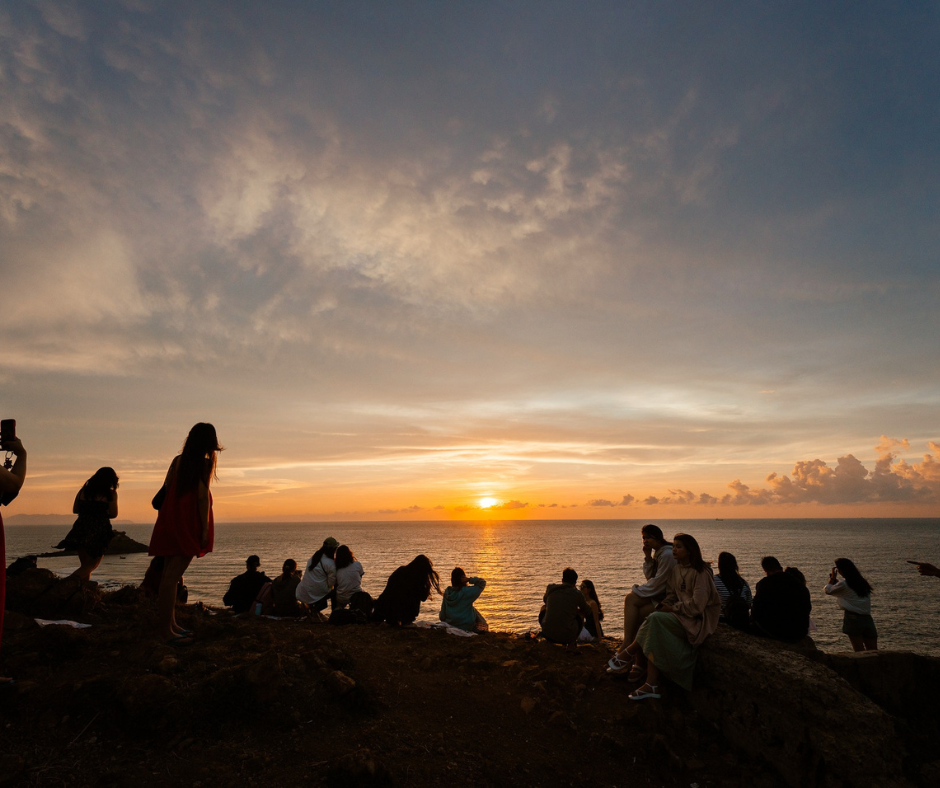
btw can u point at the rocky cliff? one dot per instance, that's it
(260, 702)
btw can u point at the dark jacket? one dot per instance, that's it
(781, 607)
(400, 602)
(565, 611)
(243, 590)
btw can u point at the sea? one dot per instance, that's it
(519, 558)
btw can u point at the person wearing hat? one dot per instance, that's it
(319, 581)
(245, 587)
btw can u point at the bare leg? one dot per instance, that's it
(635, 611)
(871, 644)
(88, 565)
(857, 643)
(173, 570)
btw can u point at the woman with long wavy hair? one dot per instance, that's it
(95, 504)
(185, 527)
(853, 593)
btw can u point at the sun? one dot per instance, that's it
(486, 503)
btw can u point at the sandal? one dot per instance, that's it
(641, 694)
(615, 664)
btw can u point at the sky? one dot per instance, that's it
(424, 260)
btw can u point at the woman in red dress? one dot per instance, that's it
(184, 527)
(11, 479)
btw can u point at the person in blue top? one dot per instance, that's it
(457, 608)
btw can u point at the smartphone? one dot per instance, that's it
(7, 430)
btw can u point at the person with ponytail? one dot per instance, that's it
(853, 593)
(95, 504)
(185, 527)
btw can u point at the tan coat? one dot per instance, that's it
(695, 601)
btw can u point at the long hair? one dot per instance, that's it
(290, 566)
(198, 458)
(325, 550)
(592, 595)
(102, 485)
(458, 578)
(344, 556)
(853, 578)
(728, 572)
(695, 552)
(421, 572)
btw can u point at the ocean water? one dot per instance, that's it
(518, 559)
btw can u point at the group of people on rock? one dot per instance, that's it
(666, 618)
(333, 577)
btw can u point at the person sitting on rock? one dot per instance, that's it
(782, 604)
(668, 640)
(642, 599)
(734, 591)
(284, 590)
(592, 629)
(457, 606)
(565, 609)
(407, 587)
(245, 587)
(318, 585)
(349, 574)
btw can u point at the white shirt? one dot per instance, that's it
(848, 599)
(317, 581)
(348, 582)
(657, 570)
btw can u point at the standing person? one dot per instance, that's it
(407, 587)
(668, 640)
(658, 564)
(349, 574)
(318, 585)
(245, 587)
(592, 629)
(457, 605)
(734, 591)
(185, 527)
(284, 590)
(96, 503)
(853, 593)
(565, 610)
(12, 476)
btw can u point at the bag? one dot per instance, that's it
(159, 498)
(738, 611)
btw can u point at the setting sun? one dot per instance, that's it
(486, 503)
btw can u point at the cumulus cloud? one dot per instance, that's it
(601, 502)
(512, 505)
(627, 500)
(891, 480)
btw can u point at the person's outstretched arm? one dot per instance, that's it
(11, 480)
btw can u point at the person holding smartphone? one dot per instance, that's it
(853, 593)
(12, 476)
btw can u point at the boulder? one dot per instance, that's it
(792, 713)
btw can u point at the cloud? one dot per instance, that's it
(511, 505)
(601, 502)
(627, 500)
(651, 500)
(891, 480)
(406, 510)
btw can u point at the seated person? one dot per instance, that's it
(781, 604)
(565, 610)
(734, 592)
(457, 606)
(284, 590)
(407, 587)
(318, 584)
(349, 574)
(592, 629)
(245, 587)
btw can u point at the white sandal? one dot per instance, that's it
(639, 694)
(616, 665)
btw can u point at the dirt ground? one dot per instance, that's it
(301, 703)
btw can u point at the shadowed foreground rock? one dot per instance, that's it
(262, 702)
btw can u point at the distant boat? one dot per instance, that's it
(719, 519)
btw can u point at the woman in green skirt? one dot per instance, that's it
(668, 641)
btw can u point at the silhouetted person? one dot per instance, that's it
(565, 610)
(95, 504)
(12, 476)
(457, 606)
(245, 587)
(284, 590)
(407, 587)
(781, 605)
